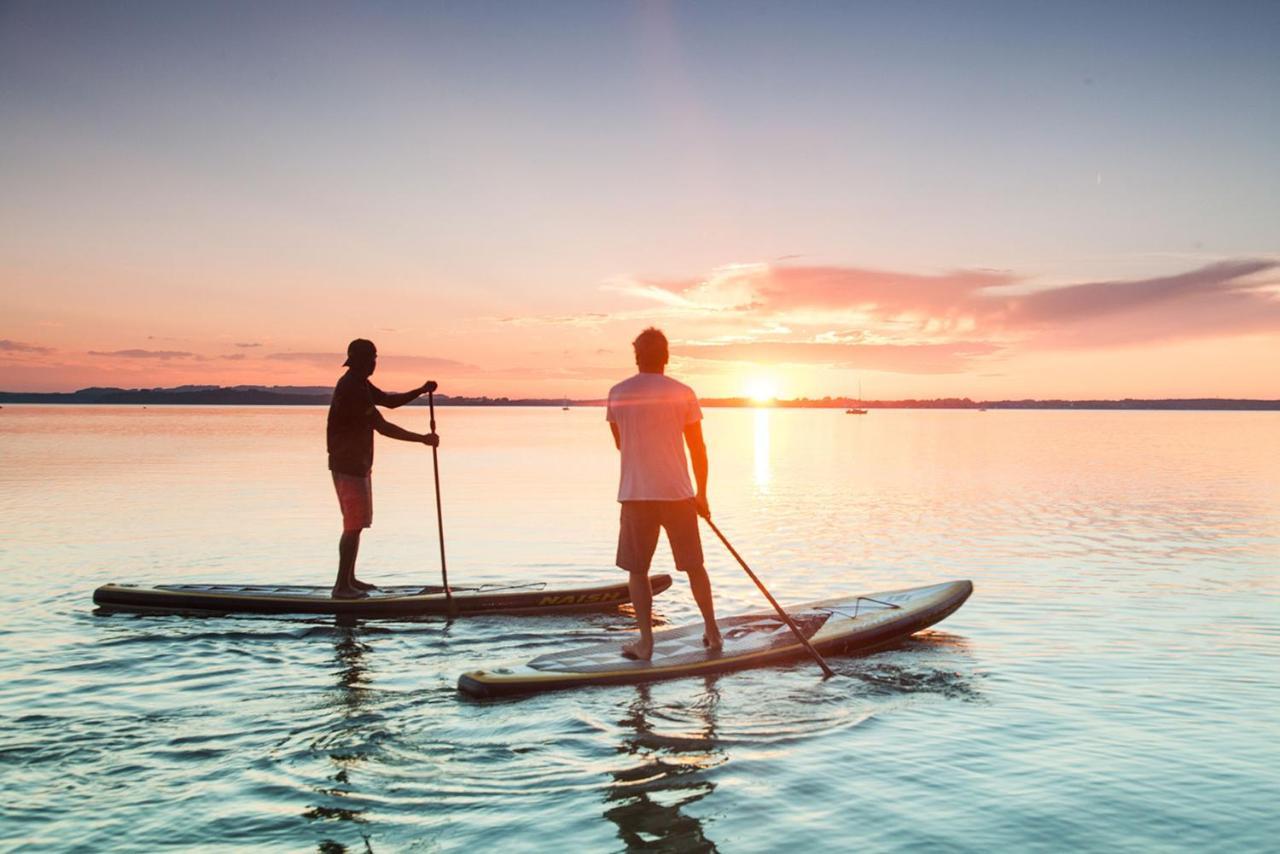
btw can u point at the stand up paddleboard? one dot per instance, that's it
(386, 602)
(848, 624)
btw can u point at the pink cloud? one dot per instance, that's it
(765, 288)
(1218, 299)
(904, 358)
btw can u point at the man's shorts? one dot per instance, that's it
(638, 534)
(355, 497)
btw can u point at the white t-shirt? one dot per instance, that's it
(651, 411)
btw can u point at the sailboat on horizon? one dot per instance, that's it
(857, 410)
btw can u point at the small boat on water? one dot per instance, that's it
(857, 410)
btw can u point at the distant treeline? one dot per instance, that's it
(243, 396)
(319, 396)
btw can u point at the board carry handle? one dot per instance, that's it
(817, 656)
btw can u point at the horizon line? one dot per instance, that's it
(313, 396)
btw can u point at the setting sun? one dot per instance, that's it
(762, 389)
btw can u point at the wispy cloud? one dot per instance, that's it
(908, 358)
(248, 344)
(586, 319)
(662, 293)
(394, 361)
(552, 372)
(1219, 299)
(161, 355)
(10, 346)
(1081, 301)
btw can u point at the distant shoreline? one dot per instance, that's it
(319, 396)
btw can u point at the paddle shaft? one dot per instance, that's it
(435, 467)
(826, 669)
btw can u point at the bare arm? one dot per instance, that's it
(698, 458)
(392, 400)
(392, 431)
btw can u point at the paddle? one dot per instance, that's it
(435, 466)
(827, 671)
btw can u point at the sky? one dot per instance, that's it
(985, 200)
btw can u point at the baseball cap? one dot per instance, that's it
(360, 350)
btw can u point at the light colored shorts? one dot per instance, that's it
(638, 534)
(355, 497)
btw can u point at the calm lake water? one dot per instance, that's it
(1111, 684)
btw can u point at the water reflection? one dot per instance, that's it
(350, 702)
(349, 652)
(763, 472)
(647, 797)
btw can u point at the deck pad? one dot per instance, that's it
(741, 636)
(318, 592)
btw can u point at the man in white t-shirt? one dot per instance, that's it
(653, 417)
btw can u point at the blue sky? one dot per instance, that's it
(479, 161)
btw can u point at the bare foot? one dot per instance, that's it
(638, 651)
(362, 585)
(349, 593)
(713, 642)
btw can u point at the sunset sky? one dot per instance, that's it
(933, 199)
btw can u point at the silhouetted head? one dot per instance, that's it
(651, 350)
(362, 356)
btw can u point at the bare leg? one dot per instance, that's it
(701, 586)
(642, 601)
(348, 548)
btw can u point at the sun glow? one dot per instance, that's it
(762, 389)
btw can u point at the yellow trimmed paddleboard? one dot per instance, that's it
(846, 624)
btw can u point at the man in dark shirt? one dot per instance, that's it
(353, 416)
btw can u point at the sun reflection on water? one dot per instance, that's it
(763, 470)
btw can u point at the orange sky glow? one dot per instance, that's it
(756, 330)
(193, 197)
